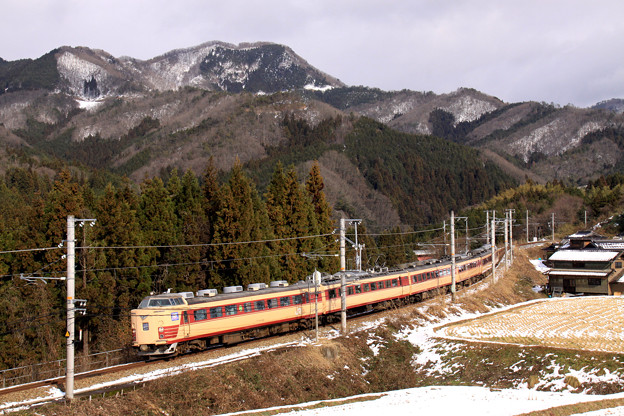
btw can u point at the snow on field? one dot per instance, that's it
(588, 323)
(446, 400)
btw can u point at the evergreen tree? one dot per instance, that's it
(322, 212)
(242, 218)
(158, 225)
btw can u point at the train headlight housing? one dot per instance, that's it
(161, 329)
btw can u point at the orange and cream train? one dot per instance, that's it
(167, 324)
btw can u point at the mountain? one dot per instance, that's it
(615, 104)
(537, 140)
(259, 103)
(216, 66)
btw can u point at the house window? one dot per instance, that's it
(594, 282)
(618, 264)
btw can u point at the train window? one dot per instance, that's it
(160, 302)
(297, 300)
(306, 297)
(216, 312)
(366, 287)
(350, 290)
(200, 315)
(185, 317)
(332, 293)
(145, 326)
(374, 286)
(395, 283)
(285, 301)
(388, 283)
(259, 305)
(272, 303)
(230, 310)
(358, 289)
(247, 307)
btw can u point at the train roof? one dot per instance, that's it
(351, 277)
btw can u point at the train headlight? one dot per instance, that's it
(161, 329)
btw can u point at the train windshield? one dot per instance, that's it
(154, 302)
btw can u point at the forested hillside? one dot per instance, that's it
(176, 235)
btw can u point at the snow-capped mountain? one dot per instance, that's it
(260, 67)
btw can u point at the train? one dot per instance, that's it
(165, 325)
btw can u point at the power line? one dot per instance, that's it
(30, 249)
(206, 244)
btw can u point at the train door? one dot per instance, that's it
(185, 326)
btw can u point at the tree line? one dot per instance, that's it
(184, 234)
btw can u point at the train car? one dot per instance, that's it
(167, 324)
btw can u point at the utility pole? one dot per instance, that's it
(444, 233)
(71, 289)
(493, 249)
(343, 294)
(343, 266)
(316, 279)
(511, 221)
(585, 219)
(343, 261)
(527, 225)
(71, 302)
(506, 240)
(553, 227)
(487, 227)
(453, 256)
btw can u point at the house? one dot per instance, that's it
(586, 263)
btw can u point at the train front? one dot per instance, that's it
(156, 325)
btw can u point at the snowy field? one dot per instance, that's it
(465, 401)
(587, 323)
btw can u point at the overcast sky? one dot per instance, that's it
(561, 51)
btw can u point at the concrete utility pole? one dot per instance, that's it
(316, 279)
(343, 266)
(493, 249)
(553, 227)
(343, 278)
(527, 225)
(453, 289)
(71, 302)
(511, 214)
(487, 227)
(506, 240)
(444, 234)
(343, 261)
(71, 289)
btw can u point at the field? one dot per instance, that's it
(583, 323)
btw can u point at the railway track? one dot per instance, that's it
(128, 376)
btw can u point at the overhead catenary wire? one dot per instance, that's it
(229, 243)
